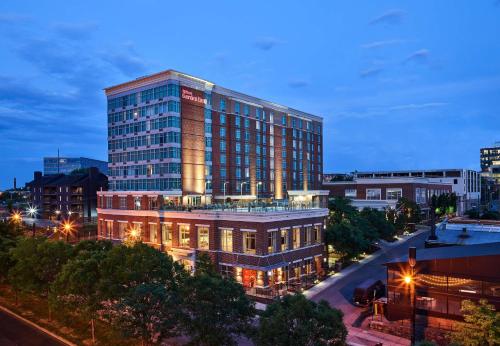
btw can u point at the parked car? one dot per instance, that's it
(368, 291)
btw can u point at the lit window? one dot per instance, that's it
(393, 194)
(284, 239)
(296, 237)
(203, 238)
(249, 242)
(152, 233)
(373, 194)
(226, 237)
(184, 235)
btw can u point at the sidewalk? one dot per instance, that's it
(310, 293)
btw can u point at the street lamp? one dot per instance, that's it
(32, 211)
(16, 217)
(67, 228)
(259, 183)
(241, 187)
(410, 280)
(224, 188)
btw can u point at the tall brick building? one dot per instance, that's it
(195, 167)
(173, 132)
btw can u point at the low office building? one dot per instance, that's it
(444, 278)
(378, 193)
(489, 156)
(66, 165)
(59, 196)
(270, 250)
(466, 183)
(462, 231)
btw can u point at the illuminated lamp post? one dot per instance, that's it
(259, 183)
(67, 228)
(410, 280)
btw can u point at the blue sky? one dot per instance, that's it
(400, 84)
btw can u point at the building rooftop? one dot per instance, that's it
(453, 234)
(198, 83)
(447, 252)
(385, 180)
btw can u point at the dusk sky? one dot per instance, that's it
(400, 84)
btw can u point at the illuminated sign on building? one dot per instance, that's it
(188, 95)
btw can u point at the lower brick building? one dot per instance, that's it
(383, 193)
(270, 250)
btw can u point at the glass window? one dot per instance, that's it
(166, 234)
(350, 193)
(393, 194)
(316, 235)
(249, 242)
(296, 237)
(271, 241)
(307, 235)
(203, 238)
(152, 233)
(284, 239)
(373, 194)
(109, 229)
(137, 203)
(226, 237)
(122, 229)
(222, 118)
(184, 235)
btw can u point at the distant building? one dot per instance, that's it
(466, 183)
(466, 232)
(444, 278)
(59, 196)
(66, 165)
(490, 156)
(328, 177)
(383, 193)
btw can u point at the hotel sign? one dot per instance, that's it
(188, 95)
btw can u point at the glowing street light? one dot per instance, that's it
(16, 217)
(32, 211)
(407, 279)
(67, 228)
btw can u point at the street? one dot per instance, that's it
(14, 332)
(339, 294)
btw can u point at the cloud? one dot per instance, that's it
(380, 44)
(394, 16)
(267, 43)
(75, 31)
(298, 83)
(420, 56)
(413, 106)
(13, 18)
(370, 72)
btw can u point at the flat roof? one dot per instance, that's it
(447, 252)
(199, 82)
(386, 180)
(415, 170)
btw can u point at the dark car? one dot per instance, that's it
(368, 291)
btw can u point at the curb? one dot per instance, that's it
(36, 326)
(313, 291)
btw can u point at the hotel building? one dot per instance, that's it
(197, 167)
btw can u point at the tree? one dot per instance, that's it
(295, 320)
(149, 311)
(76, 288)
(340, 209)
(8, 235)
(408, 212)
(37, 262)
(378, 221)
(481, 325)
(347, 239)
(215, 309)
(143, 286)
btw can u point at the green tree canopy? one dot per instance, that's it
(297, 321)
(481, 326)
(377, 219)
(215, 309)
(347, 239)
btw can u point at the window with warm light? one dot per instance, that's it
(203, 238)
(166, 234)
(249, 242)
(122, 229)
(271, 241)
(284, 239)
(184, 235)
(152, 233)
(296, 237)
(226, 239)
